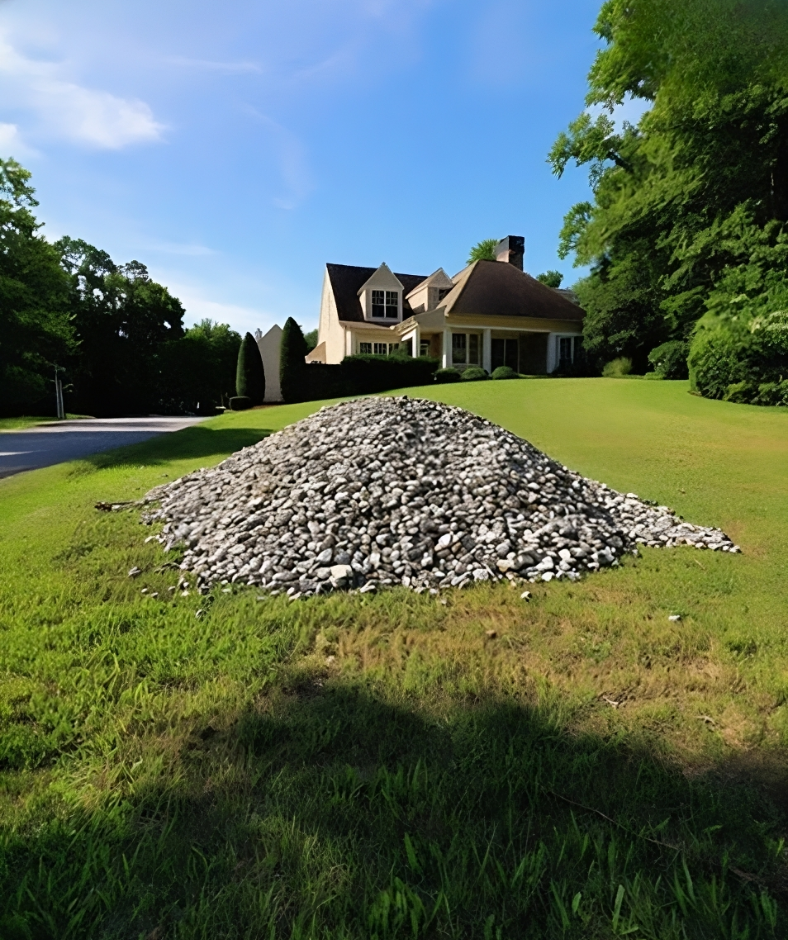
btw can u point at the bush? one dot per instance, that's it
(367, 374)
(670, 360)
(474, 374)
(240, 403)
(250, 373)
(442, 376)
(504, 372)
(292, 367)
(618, 368)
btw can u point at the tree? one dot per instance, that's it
(484, 251)
(200, 368)
(123, 321)
(35, 332)
(250, 373)
(310, 339)
(291, 362)
(708, 158)
(551, 278)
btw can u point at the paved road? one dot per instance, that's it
(46, 444)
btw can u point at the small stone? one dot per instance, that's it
(172, 589)
(525, 596)
(144, 591)
(134, 572)
(227, 590)
(491, 634)
(154, 594)
(199, 613)
(547, 575)
(674, 618)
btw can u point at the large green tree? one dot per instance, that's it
(123, 321)
(35, 330)
(704, 172)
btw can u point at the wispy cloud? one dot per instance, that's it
(69, 110)
(200, 306)
(11, 142)
(292, 160)
(208, 65)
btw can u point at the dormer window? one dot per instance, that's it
(385, 305)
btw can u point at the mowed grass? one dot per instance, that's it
(400, 765)
(19, 424)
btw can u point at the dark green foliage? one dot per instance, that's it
(670, 359)
(504, 372)
(443, 376)
(200, 368)
(241, 402)
(369, 374)
(124, 322)
(35, 331)
(483, 251)
(474, 374)
(310, 339)
(292, 367)
(550, 278)
(250, 374)
(683, 199)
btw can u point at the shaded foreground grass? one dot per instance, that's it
(396, 766)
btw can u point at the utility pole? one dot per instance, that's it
(61, 411)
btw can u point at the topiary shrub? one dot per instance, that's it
(504, 372)
(442, 376)
(240, 403)
(670, 360)
(250, 372)
(292, 365)
(618, 368)
(474, 374)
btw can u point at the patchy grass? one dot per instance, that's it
(398, 765)
(18, 424)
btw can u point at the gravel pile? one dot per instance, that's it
(384, 491)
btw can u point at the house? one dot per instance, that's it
(490, 314)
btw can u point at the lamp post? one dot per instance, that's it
(61, 411)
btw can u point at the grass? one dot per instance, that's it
(352, 767)
(18, 424)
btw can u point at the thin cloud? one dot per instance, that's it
(209, 65)
(293, 163)
(11, 142)
(68, 110)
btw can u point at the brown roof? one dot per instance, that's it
(495, 288)
(348, 279)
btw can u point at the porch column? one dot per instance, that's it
(446, 357)
(487, 350)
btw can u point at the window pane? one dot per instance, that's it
(458, 347)
(380, 349)
(378, 308)
(365, 348)
(565, 349)
(392, 304)
(424, 347)
(473, 349)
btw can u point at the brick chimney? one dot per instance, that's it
(511, 249)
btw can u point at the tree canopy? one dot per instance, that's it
(699, 187)
(483, 251)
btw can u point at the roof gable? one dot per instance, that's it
(495, 288)
(439, 279)
(382, 279)
(347, 280)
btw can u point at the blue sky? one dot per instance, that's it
(235, 148)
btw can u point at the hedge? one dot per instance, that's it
(365, 375)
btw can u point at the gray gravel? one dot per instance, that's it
(384, 491)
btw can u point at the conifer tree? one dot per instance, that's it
(292, 368)
(250, 374)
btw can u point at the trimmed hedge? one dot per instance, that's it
(504, 372)
(292, 369)
(240, 403)
(364, 375)
(474, 374)
(443, 376)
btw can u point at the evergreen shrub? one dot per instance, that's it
(504, 372)
(366, 374)
(474, 374)
(669, 360)
(240, 403)
(292, 367)
(618, 368)
(443, 376)
(250, 372)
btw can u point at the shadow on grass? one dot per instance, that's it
(188, 444)
(328, 812)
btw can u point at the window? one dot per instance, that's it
(385, 304)
(442, 293)
(424, 347)
(565, 349)
(504, 353)
(381, 349)
(365, 349)
(465, 349)
(570, 349)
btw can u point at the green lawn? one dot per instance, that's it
(360, 767)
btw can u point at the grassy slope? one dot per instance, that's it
(379, 766)
(17, 424)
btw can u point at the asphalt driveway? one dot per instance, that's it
(47, 444)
